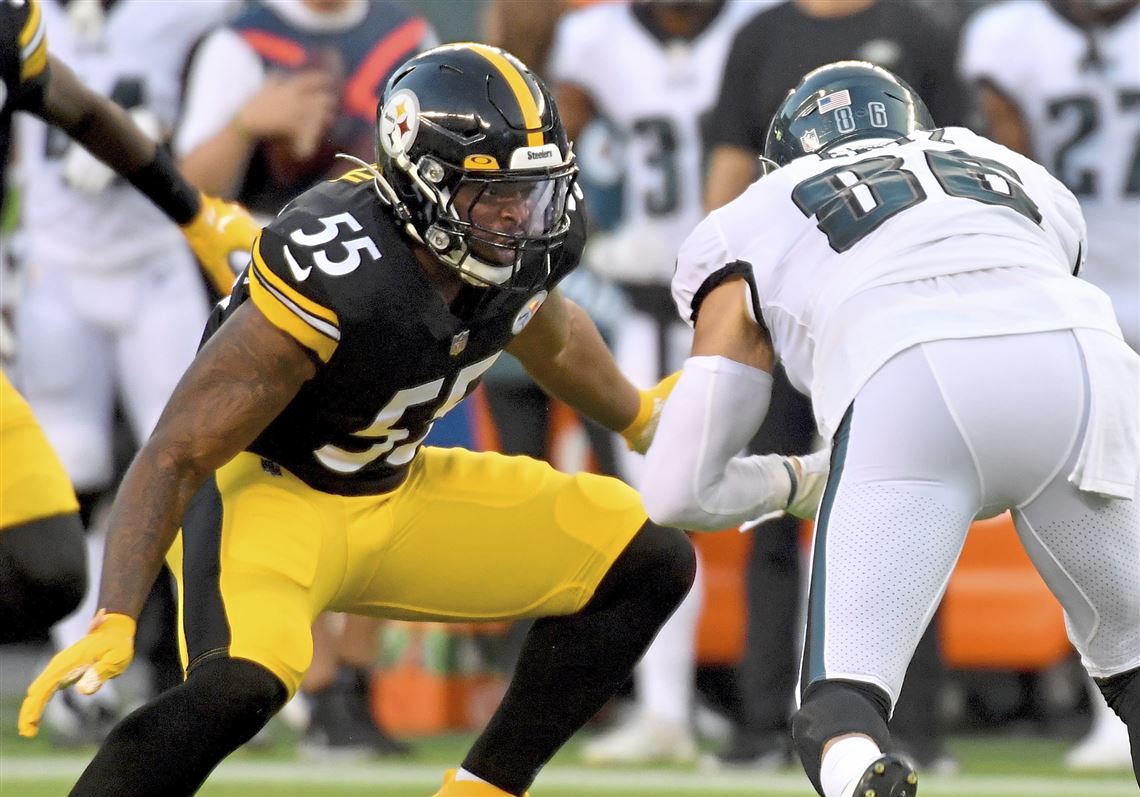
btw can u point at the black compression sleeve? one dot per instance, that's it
(165, 186)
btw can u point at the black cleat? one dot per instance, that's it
(890, 776)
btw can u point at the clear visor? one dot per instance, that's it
(508, 211)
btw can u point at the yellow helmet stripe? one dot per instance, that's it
(531, 116)
(31, 24)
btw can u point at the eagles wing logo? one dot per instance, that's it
(400, 122)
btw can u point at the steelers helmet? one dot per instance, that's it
(843, 102)
(475, 162)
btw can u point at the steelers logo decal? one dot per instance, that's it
(400, 122)
(527, 312)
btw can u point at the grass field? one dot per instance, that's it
(991, 767)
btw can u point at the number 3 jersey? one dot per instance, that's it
(335, 272)
(853, 257)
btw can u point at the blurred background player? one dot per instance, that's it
(42, 571)
(111, 303)
(768, 57)
(271, 98)
(1059, 82)
(650, 71)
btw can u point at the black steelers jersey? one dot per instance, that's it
(335, 271)
(23, 64)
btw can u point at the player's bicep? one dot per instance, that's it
(725, 326)
(244, 376)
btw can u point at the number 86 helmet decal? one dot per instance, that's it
(843, 102)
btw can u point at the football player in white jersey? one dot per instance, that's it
(918, 284)
(112, 300)
(651, 70)
(1059, 81)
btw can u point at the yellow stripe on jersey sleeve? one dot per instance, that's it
(314, 327)
(33, 44)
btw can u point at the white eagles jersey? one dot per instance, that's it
(1082, 113)
(654, 93)
(853, 257)
(136, 59)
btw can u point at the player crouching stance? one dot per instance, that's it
(290, 452)
(919, 284)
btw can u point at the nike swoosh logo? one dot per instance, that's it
(300, 274)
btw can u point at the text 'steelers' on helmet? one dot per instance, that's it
(476, 163)
(843, 102)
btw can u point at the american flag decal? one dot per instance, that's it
(834, 101)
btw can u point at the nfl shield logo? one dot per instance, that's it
(459, 343)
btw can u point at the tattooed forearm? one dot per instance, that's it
(243, 378)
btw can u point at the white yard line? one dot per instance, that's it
(21, 769)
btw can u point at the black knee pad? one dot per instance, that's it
(1122, 693)
(659, 561)
(240, 693)
(43, 574)
(833, 708)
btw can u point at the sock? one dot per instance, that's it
(571, 665)
(844, 763)
(665, 675)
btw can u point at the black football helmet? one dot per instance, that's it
(840, 103)
(475, 162)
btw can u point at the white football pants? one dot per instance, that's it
(83, 336)
(946, 432)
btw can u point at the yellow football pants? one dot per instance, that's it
(33, 483)
(468, 537)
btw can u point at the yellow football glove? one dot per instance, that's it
(639, 434)
(221, 236)
(101, 655)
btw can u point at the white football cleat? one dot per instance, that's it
(642, 740)
(1105, 746)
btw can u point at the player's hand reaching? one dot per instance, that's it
(807, 486)
(101, 655)
(639, 434)
(807, 476)
(221, 236)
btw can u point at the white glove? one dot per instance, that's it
(808, 477)
(807, 488)
(630, 253)
(84, 172)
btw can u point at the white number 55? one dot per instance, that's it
(327, 234)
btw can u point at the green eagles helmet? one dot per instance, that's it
(475, 162)
(840, 103)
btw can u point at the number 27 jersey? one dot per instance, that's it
(335, 272)
(854, 256)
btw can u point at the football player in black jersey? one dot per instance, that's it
(42, 571)
(290, 452)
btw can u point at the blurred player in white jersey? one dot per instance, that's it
(1059, 81)
(650, 70)
(918, 284)
(112, 301)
